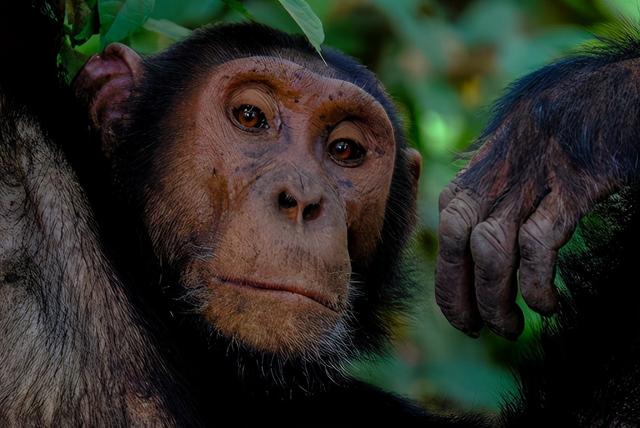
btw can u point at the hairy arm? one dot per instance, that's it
(562, 139)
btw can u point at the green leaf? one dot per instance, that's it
(167, 28)
(120, 18)
(307, 20)
(70, 59)
(81, 19)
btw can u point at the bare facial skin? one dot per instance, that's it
(275, 180)
(278, 178)
(306, 163)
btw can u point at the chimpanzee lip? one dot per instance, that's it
(288, 288)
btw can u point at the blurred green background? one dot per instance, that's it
(444, 62)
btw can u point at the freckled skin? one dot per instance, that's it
(255, 241)
(217, 188)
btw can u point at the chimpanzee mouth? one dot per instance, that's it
(285, 288)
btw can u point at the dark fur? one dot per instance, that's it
(586, 370)
(73, 349)
(586, 103)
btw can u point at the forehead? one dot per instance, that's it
(294, 79)
(284, 65)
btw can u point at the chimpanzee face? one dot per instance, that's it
(271, 182)
(279, 178)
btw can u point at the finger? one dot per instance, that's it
(494, 251)
(449, 192)
(447, 195)
(454, 269)
(540, 238)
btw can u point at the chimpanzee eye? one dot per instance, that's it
(251, 117)
(346, 152)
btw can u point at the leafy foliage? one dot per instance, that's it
(134, 21)
(118, 19)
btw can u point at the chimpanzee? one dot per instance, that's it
(258, 205)
(258, 198)
(272, 192)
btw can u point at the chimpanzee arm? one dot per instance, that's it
(561, 139)
(587, 370)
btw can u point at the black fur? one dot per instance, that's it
(74, 349)
(587, 103)
(586, 370)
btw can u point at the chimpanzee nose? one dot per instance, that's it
(300, 208)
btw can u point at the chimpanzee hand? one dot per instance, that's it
(561, 140)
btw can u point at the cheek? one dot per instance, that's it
(366, 206)
(366, 227)
(184, 205)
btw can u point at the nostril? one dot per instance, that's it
(296, 210)
(286, 201)
(311, 212)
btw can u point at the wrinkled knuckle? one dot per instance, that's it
(535, 229)
(528, 254)
(453, 234)
(464, 206)
(488, 306)
(452, 226)
(479, 242)
(446, 196)
(529, 246)
(488, 271)
(487, 246)
(445, 298)
(525, 235)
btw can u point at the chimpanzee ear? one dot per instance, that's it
(414, 164)
(104, 84)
